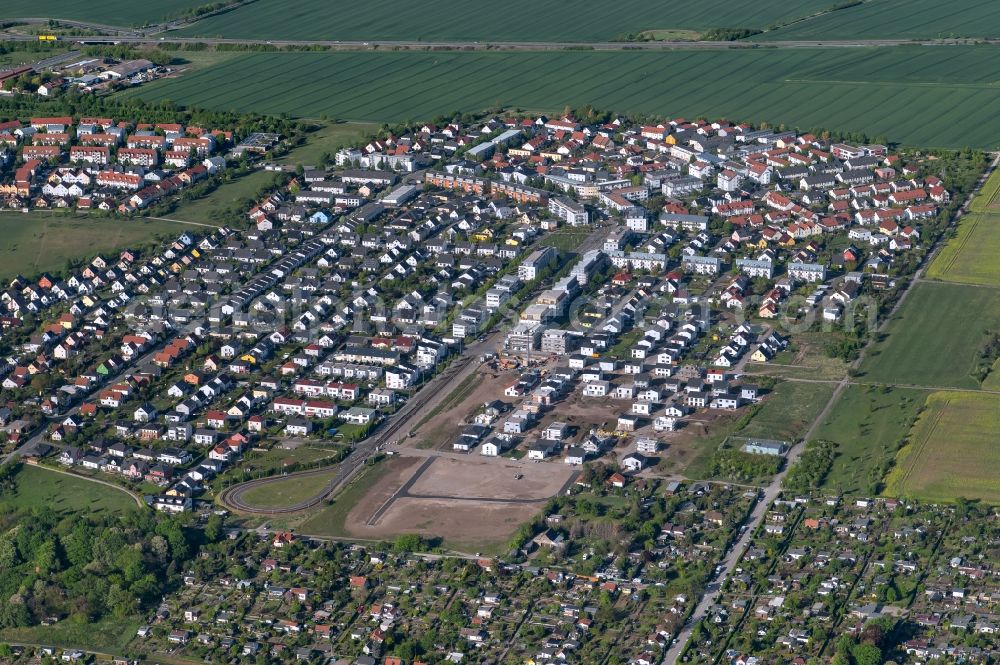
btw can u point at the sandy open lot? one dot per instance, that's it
(468, 524)
(490, 478)
(439, 431)
(469, 503)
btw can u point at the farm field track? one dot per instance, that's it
(973, 255)
(518, 20)
(898, 19)
(934, 338)
(110, 12)
(952, 450)
(945, 102)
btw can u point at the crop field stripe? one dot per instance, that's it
(516, 20)
(751, 86)
(897, 19)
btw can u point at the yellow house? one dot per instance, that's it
(670, 139)
(483, 235)
(250, 358)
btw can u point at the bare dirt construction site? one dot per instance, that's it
(469, 503)
(458, 409)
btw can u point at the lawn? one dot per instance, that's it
(36, 487)
(255, 464)
(288, 491)
(109, 12)
(899, 19)
(952, 451)
(973, 255)
(227, 197)
(935, 337)
(518, 20)
(867, 424)
(911, 95)
(40, 241)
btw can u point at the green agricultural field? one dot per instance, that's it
(35, 487)
(108, 12)
(973, 255)
(40, 241)
(913, 95)
(287, 491)
(987, 196)
(899, 19)
(952, 451)
(867, 424)
(518, 20)
(935, 337)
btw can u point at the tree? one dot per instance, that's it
(866, 654)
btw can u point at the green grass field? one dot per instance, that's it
(329, 138)
(867, 424)
(64, 494)
(288, 491)
(41, 241)
(789, 410)
(518, 20)
(109, 12)
(899, 19)
(946, 101)
(934, 339)
(108, 636)
(952, 451)
(973, 255)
